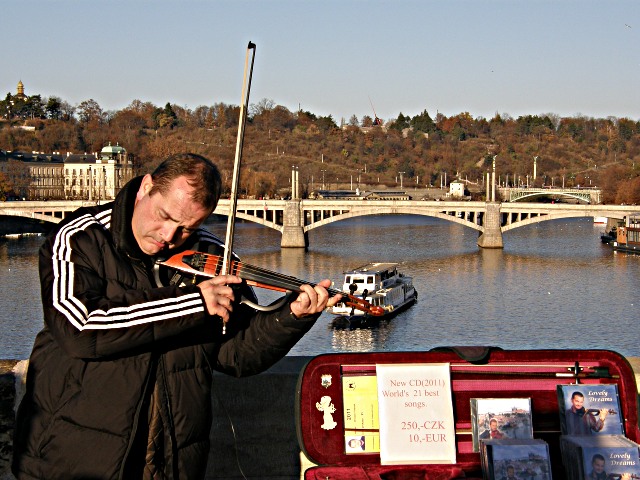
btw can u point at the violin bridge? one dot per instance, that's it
(202, 262)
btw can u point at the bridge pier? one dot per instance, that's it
(293, 234)
(492, 235)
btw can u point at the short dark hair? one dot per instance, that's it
(576, 394)
(597, 456)
(201, 173)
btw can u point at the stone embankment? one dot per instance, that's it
(258, 410)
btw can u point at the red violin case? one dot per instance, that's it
(475, 372)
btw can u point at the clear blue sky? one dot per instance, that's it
(568, 57)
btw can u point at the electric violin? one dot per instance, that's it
(209, 265)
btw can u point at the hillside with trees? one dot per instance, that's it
(570, 151)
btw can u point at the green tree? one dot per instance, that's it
(34, 107)
(401, 122)
(423, 123)
(165, 118)
(53, 108)
(626, 128)
(18, 107)
(325, 124)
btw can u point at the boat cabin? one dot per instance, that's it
(372, 277)
(629, 234)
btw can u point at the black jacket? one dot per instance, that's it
(121, 361)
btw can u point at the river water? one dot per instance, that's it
(554, 285)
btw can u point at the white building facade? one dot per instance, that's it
(97, 177)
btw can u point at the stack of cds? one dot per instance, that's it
(600, 457)
(510, 458)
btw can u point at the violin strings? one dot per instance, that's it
(275, 279)
(267, 276)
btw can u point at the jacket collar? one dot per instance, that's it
(121, 219)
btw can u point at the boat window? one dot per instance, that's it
(348, 279)
(369, 279)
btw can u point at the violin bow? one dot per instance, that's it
(235, 181)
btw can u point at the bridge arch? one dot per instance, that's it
(539, 219)
(542, 194)
(43, 217)
(254, 219)
(393, 211)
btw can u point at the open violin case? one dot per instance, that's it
(474, 372)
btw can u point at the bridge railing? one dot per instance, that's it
(297, 217)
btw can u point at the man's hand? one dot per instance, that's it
(603, 414)
(218, 296)
(313, 300)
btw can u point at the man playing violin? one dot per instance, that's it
(579, 421)
(119, 379)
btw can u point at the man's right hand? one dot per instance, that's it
(603, 414)
(218, 296)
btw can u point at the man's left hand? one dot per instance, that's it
(313, 300)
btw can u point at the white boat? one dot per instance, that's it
(381, 285)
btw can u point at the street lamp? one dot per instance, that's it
(294, 182)
(90, 183)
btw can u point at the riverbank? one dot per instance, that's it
(265, 444)
(21, 226)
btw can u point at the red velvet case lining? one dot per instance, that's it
(505, 374)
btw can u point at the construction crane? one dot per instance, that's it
(376, 120)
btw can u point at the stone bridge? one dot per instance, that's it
(295, 218)
(583, 195)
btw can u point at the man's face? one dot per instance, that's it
(165, 221)
(598, 465)
(493, 425)
(510, 472)
(577, 402)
